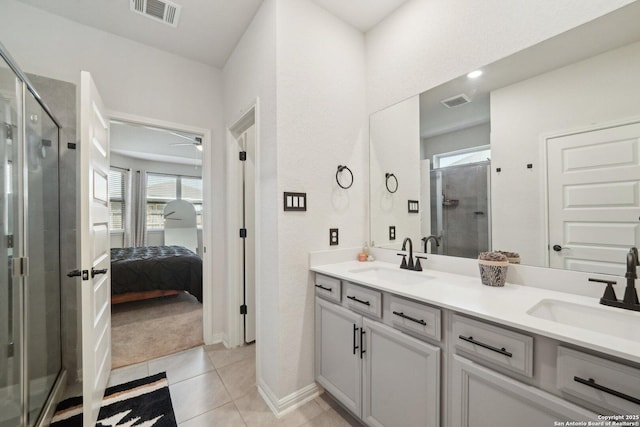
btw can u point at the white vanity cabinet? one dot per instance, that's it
(380, 374)
(481, 397)
(338, 363)
(401, 379)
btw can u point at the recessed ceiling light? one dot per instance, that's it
(474, 74)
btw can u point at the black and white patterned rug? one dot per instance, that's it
(141, 403)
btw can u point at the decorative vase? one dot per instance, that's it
(493, 273)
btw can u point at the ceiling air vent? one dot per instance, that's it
(456, 101)
(158, 10)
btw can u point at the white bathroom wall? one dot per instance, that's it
(134, 79)
(250, 74)
(426, 42)
(322, 123)
(473, 136)
(395, 148)
(600, 90)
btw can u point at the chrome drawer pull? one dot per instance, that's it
(358, 300)
(592, 383)
(413, 319)
(325, 288)
(487, 346)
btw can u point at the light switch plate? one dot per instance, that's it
(414, 206)
(295, 201)
(392, 232)
(333, 237)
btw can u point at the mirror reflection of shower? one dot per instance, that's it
(460, 216)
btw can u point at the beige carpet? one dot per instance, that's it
(144, 330)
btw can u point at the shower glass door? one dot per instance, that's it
(10, 345)
(42, 237)
(30, 353)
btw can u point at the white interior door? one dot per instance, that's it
(94, 248)
(594, 198)
(249, 220)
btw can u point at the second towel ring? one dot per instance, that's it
(387, 177)
(340, 169)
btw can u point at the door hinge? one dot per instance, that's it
(243, 156)
(10, 241)
(20, 266)
(10, 349)
(8, 130)
(243, 233)
(243, 309)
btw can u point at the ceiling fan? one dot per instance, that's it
(196, 141)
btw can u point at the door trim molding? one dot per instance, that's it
(208, 326)
(234, 330)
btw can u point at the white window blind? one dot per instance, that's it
(191, 189)
(162, 189)
(116, 200)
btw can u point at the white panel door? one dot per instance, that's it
(94, 248)
(594, 198)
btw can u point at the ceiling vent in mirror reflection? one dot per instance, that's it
(158, 10)
(456, 101)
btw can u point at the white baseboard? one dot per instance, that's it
(281, 407)
(217, 338)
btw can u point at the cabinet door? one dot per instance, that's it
(481, 397)
(338, 365)
(401, 379)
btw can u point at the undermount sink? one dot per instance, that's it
(621, 324)
(398, 276)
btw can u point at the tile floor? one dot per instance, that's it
(215, 386)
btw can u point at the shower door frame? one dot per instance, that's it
(20, 257)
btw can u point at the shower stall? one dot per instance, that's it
(460, 213)
(30, 303)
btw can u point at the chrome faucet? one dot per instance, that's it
(426, 240)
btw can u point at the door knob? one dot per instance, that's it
(77, 273)
(95, 272)
(557, 248)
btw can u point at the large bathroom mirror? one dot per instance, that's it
(538, 153)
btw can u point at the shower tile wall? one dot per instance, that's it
(60, 97)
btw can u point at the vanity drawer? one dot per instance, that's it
(364, 300)
(415, 317)
(610, 385)
(328, 287)
(502, 347)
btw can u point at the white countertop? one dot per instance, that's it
(506, 305)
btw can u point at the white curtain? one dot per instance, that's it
(140, 198)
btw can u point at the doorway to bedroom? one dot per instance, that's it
(156, 233)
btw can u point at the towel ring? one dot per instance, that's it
(340, 169)
(388, 176)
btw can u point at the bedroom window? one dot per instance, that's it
(161, 189)
(117, 200)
